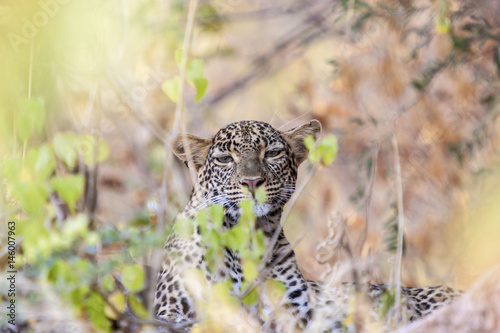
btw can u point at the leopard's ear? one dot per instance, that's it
(198, 150)
(295, 138)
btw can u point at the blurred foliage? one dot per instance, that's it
(61, 247)
(194, 76)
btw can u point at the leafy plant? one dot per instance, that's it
(66, 253)
(324, 152)
(194, 76)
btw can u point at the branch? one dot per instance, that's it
(179, 124)
(276, 58)
(367, 199)
(285, 214)
(130, 317)
(399, 255)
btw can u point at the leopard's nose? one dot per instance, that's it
(252, 183)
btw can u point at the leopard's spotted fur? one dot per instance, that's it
(251, 154)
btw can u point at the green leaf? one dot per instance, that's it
(69, 188)
(75, 226)
(217, 215)
(236, 238)
(92, 238)
(118, 301)
(309, 142)
(94, 306)
(387, 300)
(171, 88)
(44, 163)
(77, 294)
(212, 238)
(202, 219)
(275, 290)
(221, 295)
(252, 296)
(24, 126)
(313, 151)
(232, 238)
(108, 283)
(137, 307)
(214, 257)
(329, 149)
(60, 271)
(36, 242)
(87, 147)
(260, 195)
(247, 213)
(66, 147)
(195, 76)
(442, 20)
(31, 115)
(184, 228)
(195, 69)
(11, 168)
(260, 243)
(200, 84)
(31, 196)
(133, 278)
(250, 270)
(178, 56)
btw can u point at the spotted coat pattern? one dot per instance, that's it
(230, 166)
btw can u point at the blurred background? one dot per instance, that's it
(423, 72)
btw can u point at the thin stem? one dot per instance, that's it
(30, 83)
(30, 73)
(367, 200)
(285, 214)
(399, 254)
(348, 27)
(179, 107)
(178, 121)
(131, 318)
(265, 272)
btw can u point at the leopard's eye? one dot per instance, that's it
(273, 153)
(224, 159)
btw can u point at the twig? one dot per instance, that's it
(296, 195)
(263, 273)
(179, 123)
(131, 318)
(259, 14)
(399, 254)
(348, 25)
(30, 83)
(367, 200)
(122, 93)
(285, 214)
(30, 72)
(91, 186)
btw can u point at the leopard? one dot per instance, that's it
(230, 167)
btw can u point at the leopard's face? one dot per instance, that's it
(244, 157)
